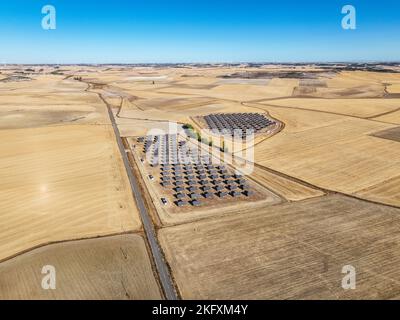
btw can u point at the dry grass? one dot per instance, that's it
(386, 191)
(354, 79)
(353, 107)
(101, 269)
(48, 100)
(341, 157)
(284, 187)
(330, 151)
(291, 251)
(63, 179)
(395, 88)
(393, 117)
(59, 183)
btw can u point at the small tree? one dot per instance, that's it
(188, 126)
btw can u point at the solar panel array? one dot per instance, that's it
(192, 177)
(239, 124)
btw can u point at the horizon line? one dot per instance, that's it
(206, 63)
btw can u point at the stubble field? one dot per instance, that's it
(291, 251)
(64, 179)
(111, 268)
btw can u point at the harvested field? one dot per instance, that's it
(364, 92)
(49, 101)
(289, 83)
(101, 269)
(353, 107)
(312, 83)
(387, 192)
(393, 118)
(244, 81)
(389, 134)
(330, 151)
(298, 120)
(63, 179)
(291, 251)
(395, 88)
(353, 79)
(284, 187)
(15, 79)
(194, 86)
(236, 92)
(60, 183)
(171, 104)
(249, 92)
(130, 128)
(333, 157)
(304, 91)
(274, 74)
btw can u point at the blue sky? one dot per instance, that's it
(137, 31)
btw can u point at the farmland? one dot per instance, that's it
(63, 179)
(294, 251)
(52, 190)
(324, 185)
(109, 268)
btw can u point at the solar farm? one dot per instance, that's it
(237, 124)
(186, 176)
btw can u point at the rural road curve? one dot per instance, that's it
(162, 269)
